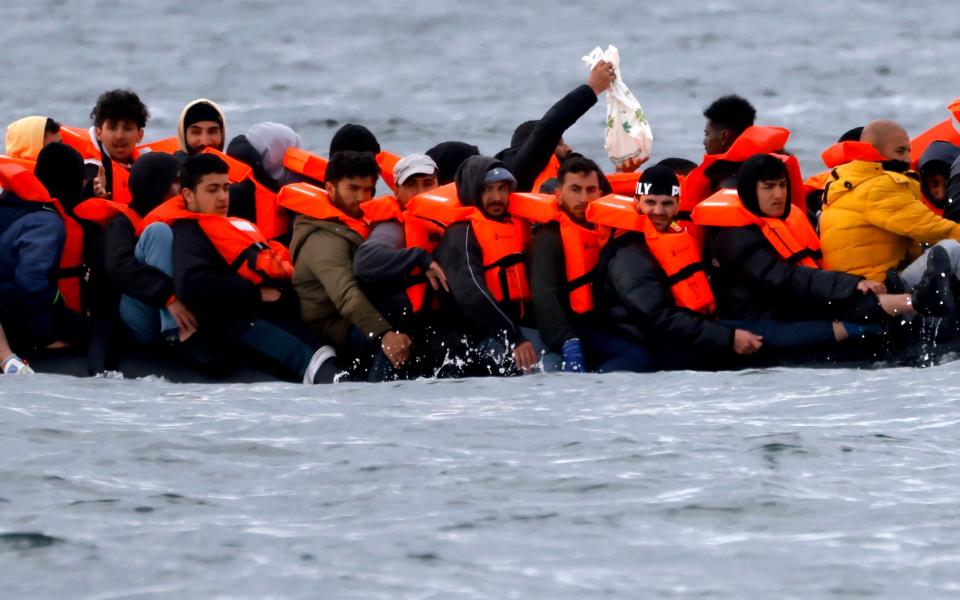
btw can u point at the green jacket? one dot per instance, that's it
(330, 296)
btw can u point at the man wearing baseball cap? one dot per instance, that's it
(383, 262)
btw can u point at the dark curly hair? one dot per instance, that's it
(120, 105)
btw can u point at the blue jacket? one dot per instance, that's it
(31, 243)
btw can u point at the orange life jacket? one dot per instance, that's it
(305, 163)
(118, 174)
(28, 164)
(677, 252)
(312, 201)
(754, 140)
(793, 238)
(425, 233)
(101, 210)
(72, 271)
(315, 167)
(842, 153)
(501, 243)
(933, 208)
(270, 219)
(238, 241)
(170, 145)
(550, 172)
(581, 246)
(624, 184)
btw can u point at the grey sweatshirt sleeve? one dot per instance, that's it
(385, 257)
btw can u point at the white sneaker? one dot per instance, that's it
(14, 365)
(319, 357)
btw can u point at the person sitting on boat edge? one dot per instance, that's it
(26, 137)
(665, 318)
(873, 220)
(141, 268)
(42, 252)
(326, 234)
(399, 277)
(201, 125)
(247, 303)
(563, 254)
(763, 265)
(483, 258)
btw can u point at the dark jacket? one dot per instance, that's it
(750, 281)
(556, 321)
(633, 297)
(530, 158)
(952, 209)
(31, 242)
(218, 297)
(461, 258)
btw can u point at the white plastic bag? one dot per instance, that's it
(627, 133)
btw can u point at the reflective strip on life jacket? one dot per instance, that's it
(312, 201)
(21, 181)
(793, 238)
(271, 221)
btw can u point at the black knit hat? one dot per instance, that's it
(60, 170)
(201, 111)
(658, 181)
(150, 179)
(354, 137)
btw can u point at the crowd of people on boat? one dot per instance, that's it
(363, 265)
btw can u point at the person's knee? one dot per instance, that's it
(157, 235)
(953, 251)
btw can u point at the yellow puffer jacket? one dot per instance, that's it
(873, 219)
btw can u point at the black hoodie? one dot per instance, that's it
(150, 180)
(460, 256)
(527, 160)
(751, 281)
(937, 159)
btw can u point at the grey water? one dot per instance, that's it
(759, 484)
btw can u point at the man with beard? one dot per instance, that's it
(873, 220)
(201, 125)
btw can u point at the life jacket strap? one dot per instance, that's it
(685, 273)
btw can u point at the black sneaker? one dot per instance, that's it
(933, 296)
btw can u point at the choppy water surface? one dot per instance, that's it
(788, 483)
(760, 484)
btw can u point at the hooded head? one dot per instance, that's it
(449, 156)
(935, 170)
(485, 183)
(60, 170)
(354, 137)
(27, 136)
(764, 186)
(272, 140)
(201, 124)
(151, 181)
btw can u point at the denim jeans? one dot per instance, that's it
(145, 322)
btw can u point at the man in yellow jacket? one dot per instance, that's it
(873, 219)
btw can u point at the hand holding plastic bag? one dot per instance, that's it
(627, 134)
